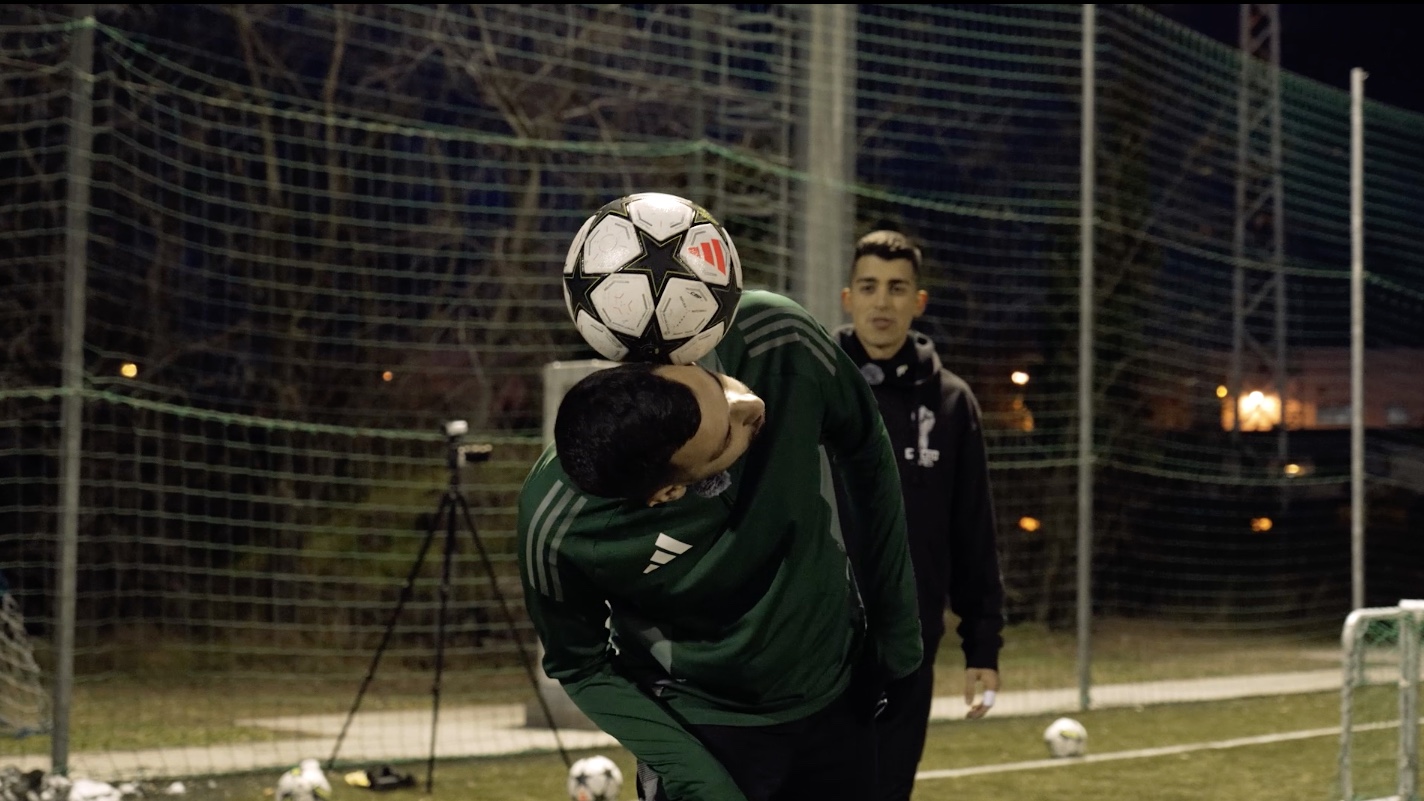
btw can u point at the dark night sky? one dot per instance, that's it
(1325, 40)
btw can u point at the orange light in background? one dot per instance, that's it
(1292, 469)
(1221, 391)
(387, 375)
(1259, 411)
(129, 370)
(1261, 524)
(1029, 524)
(1019, 377)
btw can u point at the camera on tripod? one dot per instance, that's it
(461, 455)
(452, 510)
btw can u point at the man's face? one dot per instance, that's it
(732, 416)
(882, 300)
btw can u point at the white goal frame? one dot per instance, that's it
(1409, 619)
(24, 703)
(559, 377)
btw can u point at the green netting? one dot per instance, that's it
(317, 232)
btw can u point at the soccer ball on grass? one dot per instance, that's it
(652, 277)
(1066, 737)
(595, 778)
(305, 782)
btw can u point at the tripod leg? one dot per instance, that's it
(448, 505)
(524, 657)
(406, 592)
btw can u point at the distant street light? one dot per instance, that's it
(1029, 524)
(1019, 377)
(387, 375)
(129, 370)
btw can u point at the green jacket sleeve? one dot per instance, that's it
(578, 654)
(855, 436)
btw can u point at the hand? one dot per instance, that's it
(895, 695)
(867, 685)
(973, 677)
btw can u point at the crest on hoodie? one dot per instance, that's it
(923, 454)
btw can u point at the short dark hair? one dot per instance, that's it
(888, 245)
(617, 430)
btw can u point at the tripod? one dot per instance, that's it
(453, 501)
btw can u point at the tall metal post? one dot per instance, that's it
(828, 208)
(76, 253)
(1086, 301)
(768, 202)
(1357, 338)
(702, 46)
(1259, 314)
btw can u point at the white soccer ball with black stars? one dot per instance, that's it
(652, 277)
(1066, 737)
(595, 778)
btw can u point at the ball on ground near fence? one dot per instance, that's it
(305, 782)
(1066, 737)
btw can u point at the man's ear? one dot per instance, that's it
(667, 494)
(922, 299)
(845, 300)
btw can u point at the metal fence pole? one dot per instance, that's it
(828, 209)
(1086, 300)
(1357, 338)
(76, 241)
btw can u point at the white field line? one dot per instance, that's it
(1148, 753)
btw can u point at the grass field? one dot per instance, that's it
(158, 702)
(164, 708)
(1013, 758)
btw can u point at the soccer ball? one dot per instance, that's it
(654, 278)
(1066, 737)
(305, 782)
(595, 778)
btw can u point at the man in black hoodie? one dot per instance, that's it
(934, 425)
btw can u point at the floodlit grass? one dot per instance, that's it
(168, 705)
(1035, 658)
(185, 710)
(161, 701)
(1292, 770)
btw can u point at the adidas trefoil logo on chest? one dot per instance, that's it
(666, 550)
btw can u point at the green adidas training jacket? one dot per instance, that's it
(739, 609)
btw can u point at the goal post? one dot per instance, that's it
(24, 704)
(559, 377)
(1380, 649)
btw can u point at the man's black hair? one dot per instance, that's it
(617, 430)
(888, 245)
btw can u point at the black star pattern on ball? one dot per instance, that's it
(579, 285)
(660, 261)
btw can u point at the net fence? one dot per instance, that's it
(317, 232)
